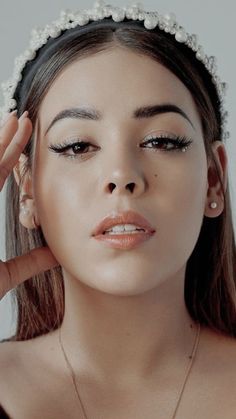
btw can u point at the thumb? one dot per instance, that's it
(20, 268)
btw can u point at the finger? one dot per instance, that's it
(18, 269)
(18, 142)
(7, 132)
(15, 148)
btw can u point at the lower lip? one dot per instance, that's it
(124, 241)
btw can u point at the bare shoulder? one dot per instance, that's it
(218, 345)
(12, 354)
(212, 382)
(8, 357)
(19, 357)
(216, 359)
(27, 380)
(21, 360)
(9, 367)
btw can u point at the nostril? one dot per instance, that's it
(131, 186)
(111, 186)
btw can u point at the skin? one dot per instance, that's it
(14, 135)
(125, 321)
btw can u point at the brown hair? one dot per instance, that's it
(210, 273)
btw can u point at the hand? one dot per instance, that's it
(14, 135)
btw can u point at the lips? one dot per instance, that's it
(124, 217)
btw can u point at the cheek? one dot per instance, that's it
(62, 204)
(182, 207)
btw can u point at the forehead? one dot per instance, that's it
(115, 80)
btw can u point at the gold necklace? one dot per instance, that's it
(191, 357)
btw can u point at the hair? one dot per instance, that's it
(209, 291)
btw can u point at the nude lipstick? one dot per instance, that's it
(123, 230)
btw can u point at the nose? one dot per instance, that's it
(122, 170)
(130, 187)
(125, 180)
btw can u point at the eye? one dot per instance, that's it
(178, 143)
(79, 148)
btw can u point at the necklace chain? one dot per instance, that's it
(191, 357)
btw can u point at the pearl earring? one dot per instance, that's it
(24, 210)
(213, 204)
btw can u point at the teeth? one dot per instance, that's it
(124, 227)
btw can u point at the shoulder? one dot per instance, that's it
(23, 373)
(216, 372)
(8, 356)
(212, 382)
(18, 357)
(23, 361)
(29, 382)
(9, 367)
(218, 344)
(18, 361)
(217, 350)
(9, 361)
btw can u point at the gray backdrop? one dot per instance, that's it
(213, 21)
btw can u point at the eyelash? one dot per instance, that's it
(179, 142)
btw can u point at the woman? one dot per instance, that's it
(121, 124)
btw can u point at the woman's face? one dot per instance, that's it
(72, 195)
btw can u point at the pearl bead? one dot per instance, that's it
(213, 205)
(118, 16)
(200, 53)
(107, 11)
(99, 15)
(83, 19)
(54, 32)
(170, 19)
(24, 211)
(150, 22)
(181, 36)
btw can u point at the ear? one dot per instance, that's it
(27, 216)
(214, 193)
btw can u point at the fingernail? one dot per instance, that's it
(13, 113)
(24, 115)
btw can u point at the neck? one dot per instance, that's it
(126, 336)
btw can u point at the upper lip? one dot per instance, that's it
(124, 217)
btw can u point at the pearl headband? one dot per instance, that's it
(100, 10)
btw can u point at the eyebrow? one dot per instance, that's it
(139, 113)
